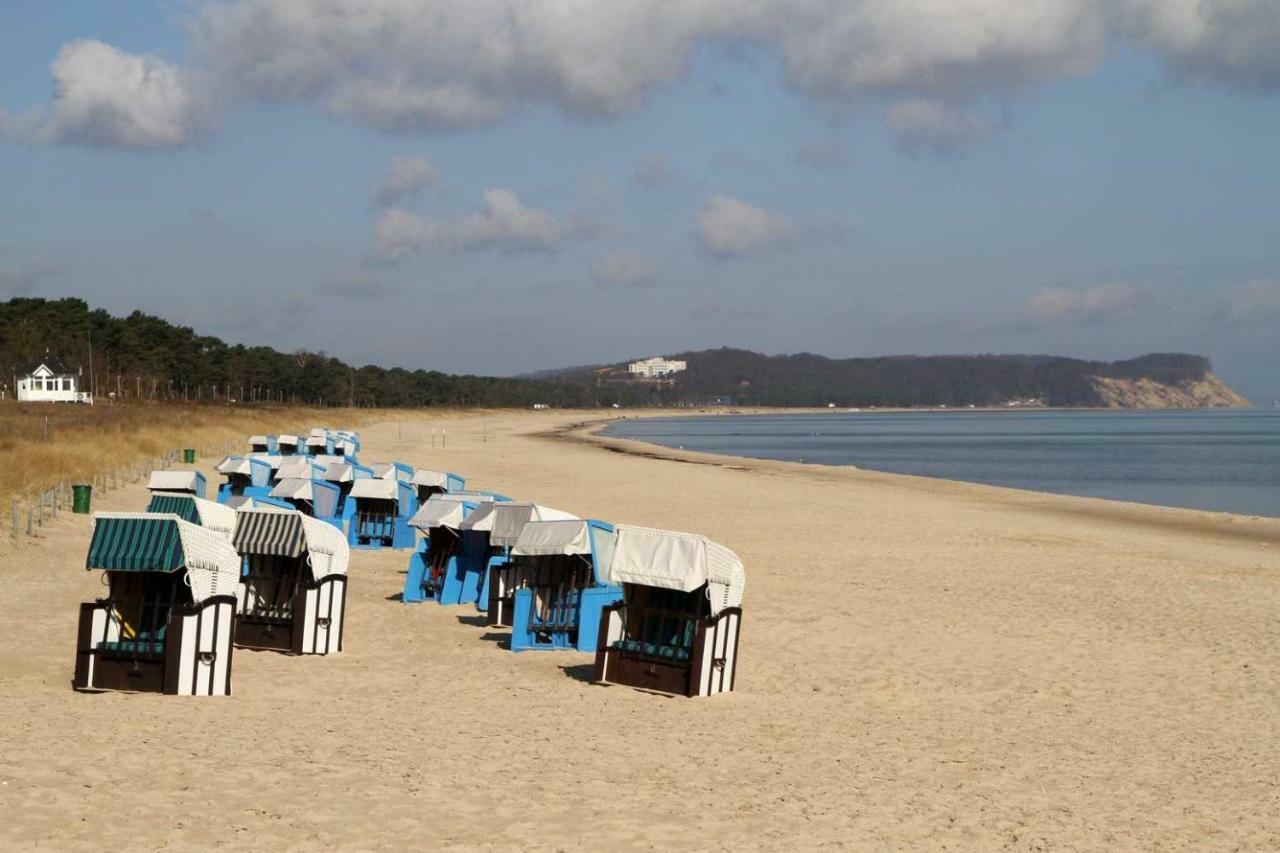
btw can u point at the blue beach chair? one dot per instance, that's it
(560, 589)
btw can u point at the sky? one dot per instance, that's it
(503, 186)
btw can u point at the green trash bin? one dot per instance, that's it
(80, 496)
(189, 455)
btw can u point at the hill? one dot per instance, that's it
(142, 356)
(1159, 380)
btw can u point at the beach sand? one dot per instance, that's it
(924, 664)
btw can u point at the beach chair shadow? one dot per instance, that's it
(399, 596)
(503, 640)
(584, 672)
(478, 621)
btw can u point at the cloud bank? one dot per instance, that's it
(405, 65)
(406, 176)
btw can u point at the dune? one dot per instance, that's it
(924, 664)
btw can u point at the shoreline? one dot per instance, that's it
(1264, 530)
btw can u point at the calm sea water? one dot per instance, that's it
(1226, 460)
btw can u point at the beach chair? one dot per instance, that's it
(346, 443)
(344, 474)
(443, 570)
(210, 515)
(167, 620)
(381, 512)
(263, 444)
(287, 445)
(677, 626)
(319, 442)
(293, 591)
(310, 496)
(186, 482)
(560, 590)
(503, 522)
(429, 483)
(246, 476)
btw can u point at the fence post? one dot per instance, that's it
(13, 527)
(30, 531)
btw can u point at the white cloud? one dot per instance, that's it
(406, 176)
(730, 228)
(504, 223)
(924, 125)
(1252, 302)
(106, 97)
(624, 269)
(1064, 306)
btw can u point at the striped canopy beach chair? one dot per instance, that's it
(167, 620)
(560, 592)
(292, 596)
(677, 627)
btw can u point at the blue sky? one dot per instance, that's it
(849, 179)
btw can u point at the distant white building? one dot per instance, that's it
(51, 382)
(652, 368)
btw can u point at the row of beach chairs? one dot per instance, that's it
(264, 566)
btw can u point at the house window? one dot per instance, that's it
(66, 383)
(37, 384)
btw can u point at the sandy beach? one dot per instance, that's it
(924, 665)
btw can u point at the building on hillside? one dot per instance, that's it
(51, 381)
(653, 368)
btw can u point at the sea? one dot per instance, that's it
(1225, 460)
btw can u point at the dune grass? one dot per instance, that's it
(44, 444)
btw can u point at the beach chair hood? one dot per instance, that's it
(289, 533)
(510, 518)
(371, 487)
(151, 542)
(234, 465)
(294, 488)
(680, 561)
(210, 515)
(551, 538)
(175, 481)
(295, 468)
(427, 477)
(444, 511)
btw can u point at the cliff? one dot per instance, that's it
(1207, 391)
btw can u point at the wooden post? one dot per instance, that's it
(13, 525)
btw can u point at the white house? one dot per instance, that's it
(51, 382)
(651, 368)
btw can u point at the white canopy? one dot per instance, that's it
(294, 488)
(548, 538)
(259, 439)
(339, 472)
(295, 467)
(369, 487)
(426, 477)
(174, 481)
(212, 564)
(234, 465)
(682, 561)
(287, 439)
(509, 518)
(289, 533)
(273, 461)
(325, 459)
(443, 511)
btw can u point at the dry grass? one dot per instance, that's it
(80, 441)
